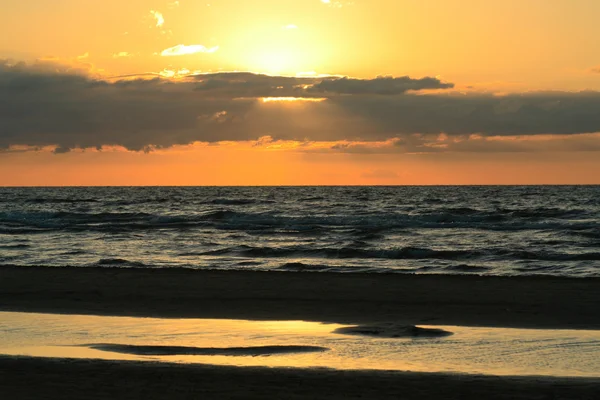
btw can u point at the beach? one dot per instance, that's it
(525, 302)
(28, 378)
(334, 199)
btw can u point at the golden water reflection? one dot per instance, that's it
(496, 351)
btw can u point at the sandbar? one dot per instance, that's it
(352, 298)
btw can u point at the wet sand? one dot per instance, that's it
(523, 302)
(343, 298)
(36, 378)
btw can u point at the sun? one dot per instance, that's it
(275, 62)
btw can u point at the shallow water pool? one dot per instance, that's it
(497, 351)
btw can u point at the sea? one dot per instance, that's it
(483, 230)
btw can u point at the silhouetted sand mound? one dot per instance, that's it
(204, 351)
(393, 330)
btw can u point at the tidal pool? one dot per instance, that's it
(497, 351)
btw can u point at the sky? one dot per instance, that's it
(299, 92)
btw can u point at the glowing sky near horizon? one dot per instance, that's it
(233, 92)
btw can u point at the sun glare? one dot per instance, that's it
(276, 62)
(291, 99)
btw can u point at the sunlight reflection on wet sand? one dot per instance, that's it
(495, 351)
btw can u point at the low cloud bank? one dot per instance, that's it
(43, 106)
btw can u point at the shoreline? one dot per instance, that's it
(518, 302)
(53, 378)
(523, 302)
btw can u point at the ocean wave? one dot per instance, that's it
(344, 252)
(73, 252)
(552, 256)
(17, 230)
(301, 267)
(404, 253)
(43, 200)
(119, 262)
(64, 220)
(447, 230)
(311, 199)
(373, 224)
(14, 246)
(466, 268)
(593, 233)
(545, 212)
(240, 202)
(248, 263)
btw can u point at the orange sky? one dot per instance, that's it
(134, 93)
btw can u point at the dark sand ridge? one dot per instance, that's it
(528, 302)
(253, 351)
(36, 378)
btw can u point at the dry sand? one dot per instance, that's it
(344, 298)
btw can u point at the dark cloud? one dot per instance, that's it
(246, 84)
(421, 144)
(41, 106)
(257, 85)
(380, 85)
(515, 114)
